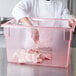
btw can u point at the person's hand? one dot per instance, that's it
(25, 21)
(35, 35)
(72, 21)
(35, 32)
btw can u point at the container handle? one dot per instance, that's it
(67, 35)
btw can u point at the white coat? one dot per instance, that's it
(40, 9)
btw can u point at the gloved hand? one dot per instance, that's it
(72, 21)
(35, 32)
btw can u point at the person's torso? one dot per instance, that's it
(46, 9)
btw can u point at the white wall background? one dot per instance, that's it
(6, 7)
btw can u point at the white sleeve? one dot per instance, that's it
(21, 10)
(65, 12)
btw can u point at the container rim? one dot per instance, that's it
(9, 24)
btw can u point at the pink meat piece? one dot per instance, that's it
(31, 56)
(35, 35)
(47, 56)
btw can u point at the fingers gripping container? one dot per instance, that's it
(55, 37)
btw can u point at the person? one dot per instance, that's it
(41, 9)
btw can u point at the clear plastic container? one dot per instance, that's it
(55, 37)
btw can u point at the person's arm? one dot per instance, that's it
(66, 15)
(21, 10)
(35, 32)
(21, 13)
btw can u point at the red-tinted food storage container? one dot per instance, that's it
(55, 37)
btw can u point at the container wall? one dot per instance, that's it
(55, 41)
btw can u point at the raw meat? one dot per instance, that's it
(31, 56)
(35, 35)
